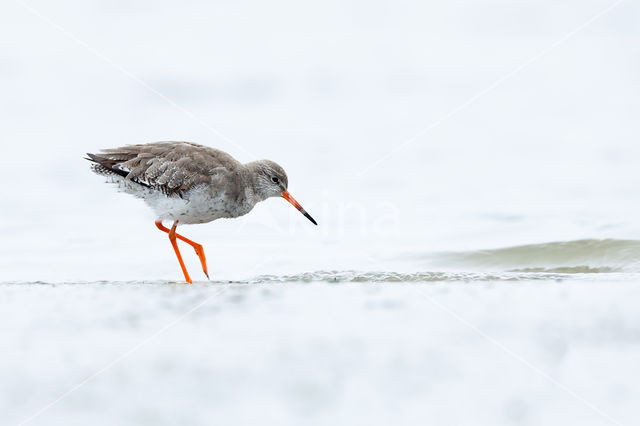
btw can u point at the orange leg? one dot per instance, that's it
(197, 247)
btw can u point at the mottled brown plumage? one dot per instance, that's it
(170, 167)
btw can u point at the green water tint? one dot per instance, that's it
(570, 257)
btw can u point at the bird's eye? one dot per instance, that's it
(274, 179)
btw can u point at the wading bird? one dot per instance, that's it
(189, 183)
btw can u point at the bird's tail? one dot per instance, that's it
(105, 166)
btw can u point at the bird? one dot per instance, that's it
(189, 183)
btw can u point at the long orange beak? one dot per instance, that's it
(289, 198)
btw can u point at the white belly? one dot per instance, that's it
(198, 206)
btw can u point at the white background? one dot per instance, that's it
(411, 131)
(328, 90)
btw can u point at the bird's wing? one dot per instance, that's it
(170, 167)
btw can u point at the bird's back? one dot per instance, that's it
(172, 168)
(179, 180)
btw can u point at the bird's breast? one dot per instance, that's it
(201, 206)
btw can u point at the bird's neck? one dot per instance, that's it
(253, 184)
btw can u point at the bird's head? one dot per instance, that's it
(271, 181)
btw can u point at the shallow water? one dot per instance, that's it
(533, 334)
(477, 259)
(587, 256)
(339, 347)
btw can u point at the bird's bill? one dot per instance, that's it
(289, 198)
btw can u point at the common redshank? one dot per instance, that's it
(189, 183)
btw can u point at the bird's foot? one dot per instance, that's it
(203, 260)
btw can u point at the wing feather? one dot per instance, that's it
(170, 167)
